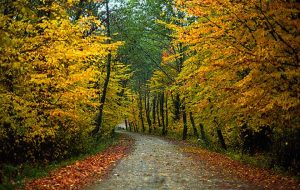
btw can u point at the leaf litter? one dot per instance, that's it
(84, 172)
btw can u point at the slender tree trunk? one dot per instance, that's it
(220, 135)
(153, 110)
(167, 114)
(126, 124)
(98, 127)
(145, 101)
(147, 105)
(196, 134)
(203, 134)
(141, 111)
(130, 126)
(134, 122)
(134, 126)
(157, 112)
(184, 119)
(221, 139)
(177, 108)
(162, 113)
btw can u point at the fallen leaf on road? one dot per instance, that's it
(82, 172)
(261, 177)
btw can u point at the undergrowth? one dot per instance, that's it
(13, 176)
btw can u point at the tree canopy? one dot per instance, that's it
(224, 73)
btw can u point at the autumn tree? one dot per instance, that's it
(51, 76)
(233, 68)
(243, 66)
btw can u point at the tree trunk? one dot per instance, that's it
(184, 133)
(135, 127)
(221, 139)
(141, 111)
(126, 124)
(203, 134)
(153, 110)
(97, 129)
(162, 113)
(167, 114)
(130, 126)
(147, 107)
(196, 134)
(157, 112)
(176, 108)
(220, 135)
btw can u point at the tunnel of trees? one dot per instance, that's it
(223, 73)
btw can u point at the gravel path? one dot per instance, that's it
(158, 164)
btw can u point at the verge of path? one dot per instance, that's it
(261, 177)
(158, 164)
(83, 172)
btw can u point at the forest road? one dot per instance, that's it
(156, 164)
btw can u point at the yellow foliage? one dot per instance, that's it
(49, 74)
(244, 56)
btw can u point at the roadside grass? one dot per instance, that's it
(13, 176)
(259, 160)
(263, 161)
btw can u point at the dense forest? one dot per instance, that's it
(222, 73)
